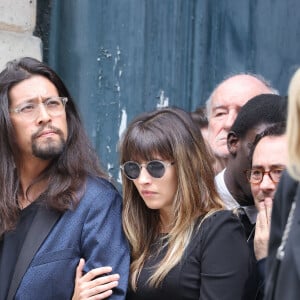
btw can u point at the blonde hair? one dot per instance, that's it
(293, 121)
(171, 134)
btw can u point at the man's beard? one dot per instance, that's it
(50, 148)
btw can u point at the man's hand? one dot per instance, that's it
(91, 286)
(262, 229)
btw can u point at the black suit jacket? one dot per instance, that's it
(283, 277)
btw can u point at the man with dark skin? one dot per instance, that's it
(255, 116)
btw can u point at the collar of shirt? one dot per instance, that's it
(229, 202)
(251, 213)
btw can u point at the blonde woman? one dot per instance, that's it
(283, 264)
(183, 244)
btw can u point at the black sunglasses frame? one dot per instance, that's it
(151, 171)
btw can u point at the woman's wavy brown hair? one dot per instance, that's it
(171, 134)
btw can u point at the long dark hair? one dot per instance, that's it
(67, 173)
(171, 134)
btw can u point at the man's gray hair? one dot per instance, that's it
(259, 77)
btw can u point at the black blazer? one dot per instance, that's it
(283, 277)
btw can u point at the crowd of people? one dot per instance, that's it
(209, 206)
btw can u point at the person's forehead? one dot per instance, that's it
(238, 90)
(30, 88)
(228, 100)
(270, 150)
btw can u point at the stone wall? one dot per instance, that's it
(17, 24)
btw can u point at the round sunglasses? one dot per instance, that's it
(155, 168)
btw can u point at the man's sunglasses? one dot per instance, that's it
(155, 168)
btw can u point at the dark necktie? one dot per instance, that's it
(248, 227)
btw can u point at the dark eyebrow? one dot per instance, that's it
(30, 100)
(279, 166)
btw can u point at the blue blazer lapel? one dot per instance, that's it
(41, 225)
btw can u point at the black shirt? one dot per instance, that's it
(10, 247)
(215, 265)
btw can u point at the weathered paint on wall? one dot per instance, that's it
(120, 58)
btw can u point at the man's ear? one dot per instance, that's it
(232, 142)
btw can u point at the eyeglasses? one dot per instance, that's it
(155, 168)
(256, 175)
(29, 110)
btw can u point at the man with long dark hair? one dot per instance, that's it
(56, 204)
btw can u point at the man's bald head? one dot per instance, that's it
(224, 104)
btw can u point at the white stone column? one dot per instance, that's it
(17, 23)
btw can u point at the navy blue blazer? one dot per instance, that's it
(92, 231)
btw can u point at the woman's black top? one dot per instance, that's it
(215, 265)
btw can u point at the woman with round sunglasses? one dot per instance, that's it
(184, 245)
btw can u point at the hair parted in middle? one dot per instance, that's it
(166, 134)
(67, 173)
